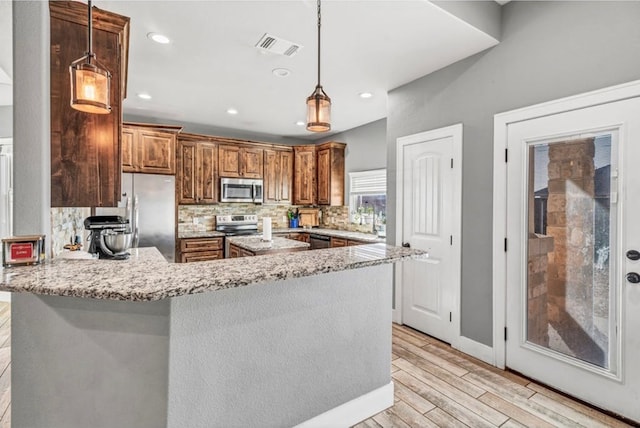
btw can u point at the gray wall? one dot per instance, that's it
(549, 50)
(366, 148)
(32, 130)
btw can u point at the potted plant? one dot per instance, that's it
(293, 217)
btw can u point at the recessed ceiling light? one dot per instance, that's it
(159, 38)
(366, 94)
(281, 72)
(144, 96)
(300, 123)
(232, 111)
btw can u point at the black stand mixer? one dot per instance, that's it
(110, 236)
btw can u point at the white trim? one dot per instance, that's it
(475, 349)
(501, 122)
(5, 296)
(354, 411)
(456, 132)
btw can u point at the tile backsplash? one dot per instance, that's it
(202, 218)
(66, 224)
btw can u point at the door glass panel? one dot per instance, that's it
(569, 247)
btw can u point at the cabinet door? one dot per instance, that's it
(208, 173)
(324, 171)
(234, 252)
(156, 152)
(187, 173)
(251, 162)
(128, 150)
(286, 176)
(304, 176)
(271, 177)
(85, 148)
(229, 161)
(338, 242)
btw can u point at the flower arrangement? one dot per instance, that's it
(292, 215)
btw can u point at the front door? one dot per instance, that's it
(430, 218)
(573, 297)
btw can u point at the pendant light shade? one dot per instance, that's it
(319, 111)
(319, 103)
(90, 81)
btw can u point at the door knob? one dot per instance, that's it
(633, 277)
(406, 245)
(633, 255)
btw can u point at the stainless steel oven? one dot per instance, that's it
(241, 190)
(236, 225)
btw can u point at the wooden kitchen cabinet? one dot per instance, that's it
(304, 184)
(200, 249)
(338, 242)
(330, 167)
(278, 176)
(235, 252)
(302, 237)
(149, 148)
(197, 176)
(85, 148)
(240, 161)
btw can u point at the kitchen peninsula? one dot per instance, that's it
(287, 339)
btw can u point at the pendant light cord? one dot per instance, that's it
(90, 37)
(319, 42)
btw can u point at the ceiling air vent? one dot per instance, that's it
(276, 45)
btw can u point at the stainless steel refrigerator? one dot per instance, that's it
(148, 201)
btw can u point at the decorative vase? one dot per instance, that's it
(293, 223)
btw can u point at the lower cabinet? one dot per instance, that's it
(235, 252)
(342, 242)
(338, 242)
(302, 237)
(201, 249)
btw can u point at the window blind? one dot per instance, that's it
(370, 182)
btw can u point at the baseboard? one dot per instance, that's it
(396, 316)
(354, 411)
(475, 349)
(5, 296)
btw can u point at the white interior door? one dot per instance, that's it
(429, 203)
(573, 187)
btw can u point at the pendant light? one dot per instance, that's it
(318, 103)
(90, 81)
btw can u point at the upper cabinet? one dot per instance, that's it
(278, 176)
(85, 148)
(240, 161)
(149, 149)
(197, 177)
(304, 184)
(330, 167)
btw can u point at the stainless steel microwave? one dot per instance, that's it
(241, 190)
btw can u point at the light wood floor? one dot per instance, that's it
(435, 386)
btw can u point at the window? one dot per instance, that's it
(368, 197)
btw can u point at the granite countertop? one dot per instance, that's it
(146, 276)
(200, 234)
(360, 236)
(256, 245)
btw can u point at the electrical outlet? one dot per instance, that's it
(284, 218)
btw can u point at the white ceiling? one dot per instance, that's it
(211, 63)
